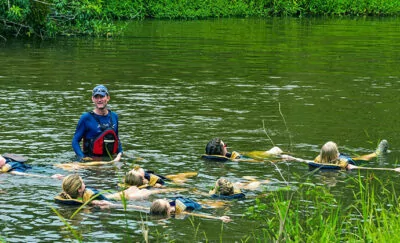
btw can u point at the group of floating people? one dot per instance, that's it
(98, 129)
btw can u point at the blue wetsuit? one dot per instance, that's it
(88, 129)
(14, 166)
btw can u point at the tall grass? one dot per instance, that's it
(312, 214)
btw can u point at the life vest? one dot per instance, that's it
(14, 162)
(240, 195)
(104, 144)
(218, 158)
(87, 195)
(221, 158)
(15, 157)
(153, 180)
(182, 204)
(14, 166)
(340, 164)
(237, 194)
(315, 165)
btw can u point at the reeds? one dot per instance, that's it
(312, 214)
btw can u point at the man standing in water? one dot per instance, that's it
(98, 129)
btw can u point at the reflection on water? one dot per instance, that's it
(175, 85)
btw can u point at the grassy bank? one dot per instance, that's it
(312, 214)
(49, 18)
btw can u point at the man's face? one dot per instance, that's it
(100, 101)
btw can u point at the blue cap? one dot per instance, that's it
(100, 90)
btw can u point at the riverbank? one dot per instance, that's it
(96, 18)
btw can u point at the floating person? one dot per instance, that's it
(144, 179)
(98, 129)
(217, 150)
(72, 166)
(75, 192)
(225, 189)
(15, 164)
(331, 158)
(180, 206)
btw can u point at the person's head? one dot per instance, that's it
(134, 178)
(160, 207)
(137, 169)
(2, 161)
(100, 96)
(329, 152)
(73, 185)
(216, 147)
(224, 187)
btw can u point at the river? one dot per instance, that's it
(294, 83)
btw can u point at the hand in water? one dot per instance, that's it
(225, 219)
(57, 176)
(350, 167)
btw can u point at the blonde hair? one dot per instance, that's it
(224, 187)
(70, 185)
(329, 153)
(133, 179)
(159, 207)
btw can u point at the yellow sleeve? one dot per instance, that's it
(87, 195)
(235, 155)
(5, 168)
(153, 180)
(342, 163)
(179, 206)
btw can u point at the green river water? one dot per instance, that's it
(176, 85)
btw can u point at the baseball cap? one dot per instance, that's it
(100, 90)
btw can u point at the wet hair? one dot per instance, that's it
(329, 153)
(133, 179)
(70, 185)
(224, 187)
(159, 208)
(214, 147)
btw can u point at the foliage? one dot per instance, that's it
(48, 18)
(286, 216)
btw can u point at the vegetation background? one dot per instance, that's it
(50, 18)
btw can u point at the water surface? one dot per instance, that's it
(176, 85)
